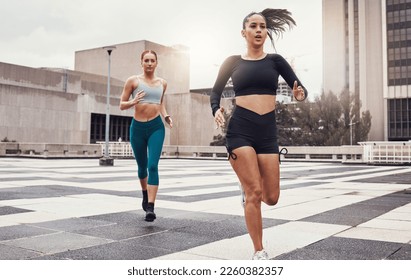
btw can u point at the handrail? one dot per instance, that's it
(379, 152)
(388, 153)
(344, 154)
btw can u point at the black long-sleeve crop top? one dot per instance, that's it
(252, 77)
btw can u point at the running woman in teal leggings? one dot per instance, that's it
(147, 129)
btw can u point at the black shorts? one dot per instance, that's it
(247, 128)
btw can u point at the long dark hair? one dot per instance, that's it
(277, 21)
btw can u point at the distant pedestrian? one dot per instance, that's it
(251, 138)
(147, 129)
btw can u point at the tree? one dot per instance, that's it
(285, 124)
(327, 121)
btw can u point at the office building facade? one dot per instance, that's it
(367, 50)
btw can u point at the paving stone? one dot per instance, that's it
(15, 253)
(335, 248)
(56, 242)
(8, 210)
(125, 250)
(192, 217)
(21, 231)
(72, 225)
(404, 253)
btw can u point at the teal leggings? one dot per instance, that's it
(147, 140)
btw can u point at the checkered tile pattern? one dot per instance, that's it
(76, 209)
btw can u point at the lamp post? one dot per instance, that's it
(351, 125)
(106, 160)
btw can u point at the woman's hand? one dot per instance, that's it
(219, 117)
(298, 92)
(168, 120)
(139, 96)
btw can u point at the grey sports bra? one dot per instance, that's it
(153, 94)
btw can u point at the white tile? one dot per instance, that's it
(7, 222)
(34, 217)
(387, 235)
(396, 215)
(183, 256)
(238, 248)
(277, 240)
(388, 224)
(200, 191)
(303, 210)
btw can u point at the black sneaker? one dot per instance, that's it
(144, 205)
(150, 216)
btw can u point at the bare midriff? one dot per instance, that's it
(146, 112)
(258, 103)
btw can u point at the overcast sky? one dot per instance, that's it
(46, 33)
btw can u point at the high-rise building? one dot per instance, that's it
(367, 50)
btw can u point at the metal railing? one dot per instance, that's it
(117, 149)
(345, 154)
(387, 152)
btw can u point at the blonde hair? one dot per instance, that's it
(146, 52)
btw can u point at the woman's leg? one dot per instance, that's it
(269, 166)
(155, 145)
(139, 146)
(246, 166)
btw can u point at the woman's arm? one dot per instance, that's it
(128, 88)
(163, 109)
(285, 70)
(223, 75)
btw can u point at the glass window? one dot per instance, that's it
(399, 119)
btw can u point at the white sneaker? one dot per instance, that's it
(260, 255)
(242, 195)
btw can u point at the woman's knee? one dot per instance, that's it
(142, 173)
(272, 198)
(152, 169)
(254, 195)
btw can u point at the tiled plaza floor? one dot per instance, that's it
(76, 209)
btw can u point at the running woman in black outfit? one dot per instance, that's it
(252, 134)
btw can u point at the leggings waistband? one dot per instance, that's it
(251, 115)
(148, 124)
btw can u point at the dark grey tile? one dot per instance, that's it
(303, 184)
(374, 170)
(136, 218)
(72, 225)
(229, 227)
(21, 231)
(401, 178)
(199, 197)
(125, 250)
(336, 248)
(131, 217)
(39, 192)
(173, 241)
(8, 210)
(402, 254)
(345, 216)
(57, 242)
(15, 253)
(324, 171)
(42, 191)
(358, 213)
(121, 231)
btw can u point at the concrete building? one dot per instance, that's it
(45, 105)
(64, 106)
(367, 50)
